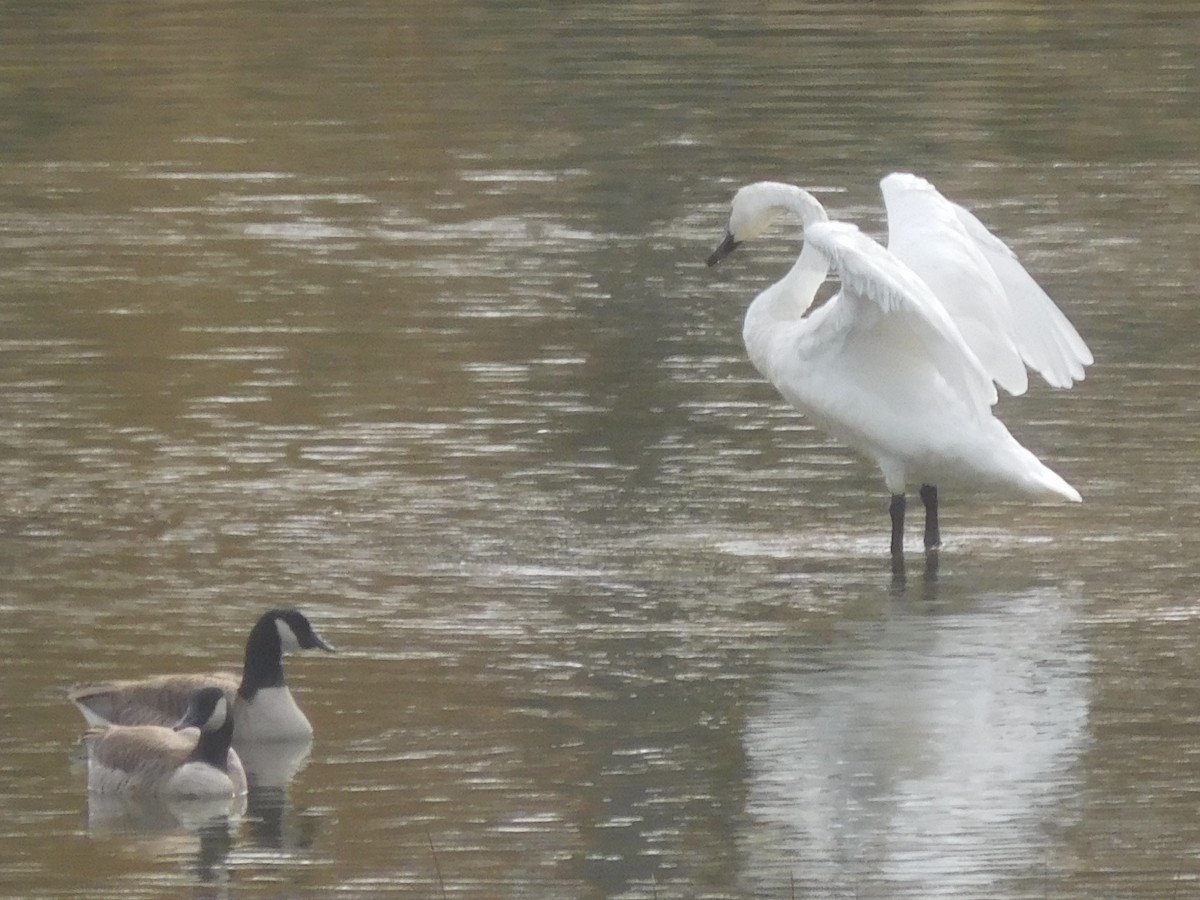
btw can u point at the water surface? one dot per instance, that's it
(402, 318)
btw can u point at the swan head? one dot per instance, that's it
(756, 206)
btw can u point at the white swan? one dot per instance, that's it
(900, 363)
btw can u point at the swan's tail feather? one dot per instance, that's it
(1040, 481)
(1053, 485)
(1005, 462)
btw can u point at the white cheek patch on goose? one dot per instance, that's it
(216, 719)
(287, 638)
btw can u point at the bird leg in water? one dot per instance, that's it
(933, 537)
(896, 510)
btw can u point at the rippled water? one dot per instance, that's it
(401, 317)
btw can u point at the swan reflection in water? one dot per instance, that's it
(916, 751)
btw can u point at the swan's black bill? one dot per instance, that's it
(726, 247)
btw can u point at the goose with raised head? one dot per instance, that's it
(886, 365)
(263, 706)
(193, 759)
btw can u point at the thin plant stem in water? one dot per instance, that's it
(436, 865)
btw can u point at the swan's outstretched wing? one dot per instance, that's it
(875, 281)
(925, 233)
(997, 305)
(1048, 342)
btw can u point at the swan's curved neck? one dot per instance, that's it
(791, 296)
(757, 205)
(788, 299)
(800, 203)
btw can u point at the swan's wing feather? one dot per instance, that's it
(925, 233)
(875, 281)
(1045, 338)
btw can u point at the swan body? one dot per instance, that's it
(193, 759)
(263, 707)
(902, 363)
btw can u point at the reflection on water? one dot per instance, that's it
(198, 833)
(922, 753)
(403, 318)
(273, 824)
(153, 814)
(214, 836)
(271, 765)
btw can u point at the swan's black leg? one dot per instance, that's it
(896, 510)
(933, 536)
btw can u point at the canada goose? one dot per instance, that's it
(170, 762)
(263, 707)
(900, 364)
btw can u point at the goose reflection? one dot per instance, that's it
(271, 820)
(154, 814)
(199, 830)
(273, 764)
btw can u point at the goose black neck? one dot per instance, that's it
(264, 658)
(213, 746)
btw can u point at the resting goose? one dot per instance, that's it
(178, 762)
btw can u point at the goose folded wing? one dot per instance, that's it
(159, 700)
(151, 753)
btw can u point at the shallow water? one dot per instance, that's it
(402, 318)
